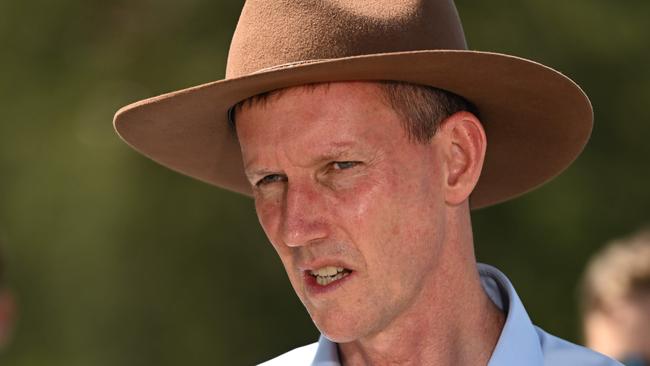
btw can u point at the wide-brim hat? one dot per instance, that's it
(537, 120)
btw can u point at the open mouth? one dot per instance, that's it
(326, 275)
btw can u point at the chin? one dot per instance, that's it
(345, 336)
(340, 328)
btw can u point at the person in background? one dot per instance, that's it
(615, 300)
(7, 307)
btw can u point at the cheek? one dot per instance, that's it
(371, 211)
(268, 214)
(361, 204)
(395, 217)
(379, 203)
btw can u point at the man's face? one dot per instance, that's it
(353, 208)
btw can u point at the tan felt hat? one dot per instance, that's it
(537, 120)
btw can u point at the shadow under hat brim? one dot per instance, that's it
(537, 120)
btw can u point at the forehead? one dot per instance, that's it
(327, 92)
(317, 114)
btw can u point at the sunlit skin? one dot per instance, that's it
(337, 182)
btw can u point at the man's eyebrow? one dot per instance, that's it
(260, 173)
(332, 152)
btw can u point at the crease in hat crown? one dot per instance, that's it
(286, 32)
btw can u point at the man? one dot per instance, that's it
(361, 131)
(616, 300)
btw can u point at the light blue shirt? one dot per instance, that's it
(520, 344)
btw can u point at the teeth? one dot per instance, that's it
(327, 271)
(326, 275)
(329, 279)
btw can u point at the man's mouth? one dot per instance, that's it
(326, 275)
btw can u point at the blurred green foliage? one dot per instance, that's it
(117, 261)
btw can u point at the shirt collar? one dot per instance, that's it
(518, 343)
(327, 353)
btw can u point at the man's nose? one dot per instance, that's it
(304, 216)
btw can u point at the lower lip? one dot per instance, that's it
(316, 289)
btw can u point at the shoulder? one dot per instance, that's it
(299, 356)
(558, 352)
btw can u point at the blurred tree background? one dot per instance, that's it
(117, 261)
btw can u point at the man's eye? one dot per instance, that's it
(271, 178)
(342, 165)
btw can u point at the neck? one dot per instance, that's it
(452, 322)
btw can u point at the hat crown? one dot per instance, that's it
(271, 33)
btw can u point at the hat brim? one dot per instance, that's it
(537, 120)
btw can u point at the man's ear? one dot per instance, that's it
(465, 146)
